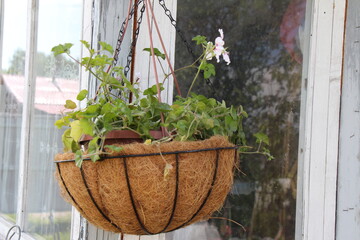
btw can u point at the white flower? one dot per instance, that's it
(221, 33)
(218, 50)
(209, 54)
(226, 57)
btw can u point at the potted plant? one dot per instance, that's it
(172, 164)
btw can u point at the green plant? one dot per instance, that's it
(194, 117)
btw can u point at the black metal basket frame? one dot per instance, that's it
(124, 161)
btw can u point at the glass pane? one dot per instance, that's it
(11, 100)
(264, 38)
(49, 216)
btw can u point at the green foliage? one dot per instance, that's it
(70, 104)
(156, 52)
(192, 118)
(200, 40)
(62, 48)
(82, 95)
(197, 117)
(209, 69)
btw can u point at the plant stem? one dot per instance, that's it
(203, 59)
(193, 81)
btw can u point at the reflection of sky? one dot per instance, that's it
(59, 22)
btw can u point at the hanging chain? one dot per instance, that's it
(188, 46)
(179, 32)
(133, 44)
(121, 33)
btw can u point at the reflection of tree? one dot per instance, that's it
(46, 65)
(266, 81)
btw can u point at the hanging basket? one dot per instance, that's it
(132, 194)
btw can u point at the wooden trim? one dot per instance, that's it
(2, 7)
(321, 122)
(348, 202)
(28, 106)
(78, 224)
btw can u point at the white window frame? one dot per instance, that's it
(319, 127)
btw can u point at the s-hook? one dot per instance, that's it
(11, 230)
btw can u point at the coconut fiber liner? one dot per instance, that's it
(194, 188)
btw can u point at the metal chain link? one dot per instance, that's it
(121, 33)
(188, 46)
(179, 32)
(133, 44)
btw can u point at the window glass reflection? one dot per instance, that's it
(11, 100)
(265, 39)
(48, 215)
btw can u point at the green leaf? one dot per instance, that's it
(86, 44)
(209, 69)
(156, 52)
(115, 84)
(113, 148)
(261, 137)
(107, 108)
(150, 91)
(230, 123)
(82, 95)
(93, 145)
(208, 123)
(67, 140)
(74, 146)
(109, 117)
(87, 126)
(199, 39)
(62, 122)
(70, 104)
(163, 107)
(107, 47)
(78, 158)
(200, 106)
(92, 108)
(95, 157)
(76, 130)
(62, 48)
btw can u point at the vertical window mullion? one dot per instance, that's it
(318, 173)
(29, 94)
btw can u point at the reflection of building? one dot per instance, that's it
(50, 96)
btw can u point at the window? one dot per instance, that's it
(268, 32)
(34, 201)
(13, 65)
(315, 124)
(265, 40)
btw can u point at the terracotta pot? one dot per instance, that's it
(123, 137)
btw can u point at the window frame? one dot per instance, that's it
(319, 126)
